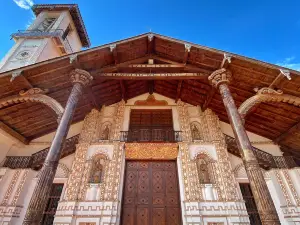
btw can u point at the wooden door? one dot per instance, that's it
(151, 194)
(250, 204)
(52, 204)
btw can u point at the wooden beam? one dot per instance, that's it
(13, 133)
(92, 98)
(113, 49)
(151, 86)
(226, 61)
(189, 67)
(293, 129)
(209, 98)
(276, 82)
(150, 44)
(187, 49)
(179, 87)
(112, 68)
(150, 76)
(154, 66)
(123, 90)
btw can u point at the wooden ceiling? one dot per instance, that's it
(278, 121)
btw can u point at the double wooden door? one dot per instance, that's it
(151, 193)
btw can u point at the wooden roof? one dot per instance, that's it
(108, 64)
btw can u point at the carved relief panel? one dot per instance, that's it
(205, 130)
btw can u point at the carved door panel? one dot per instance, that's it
(151, 193)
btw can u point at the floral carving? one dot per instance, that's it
(219, 77)
(151, 150)
(81, 76)
(151, 101)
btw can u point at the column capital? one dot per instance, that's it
(81, 76)
(220, 76)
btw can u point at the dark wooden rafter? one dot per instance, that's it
(291, 130)
(187, 49)
(92, 98)
(150, 44)
(113, 50)
(74, 61)
(18, 75)
(226, 61)
(151, 86)
(209, 97)
(190, 67)
(178, 91)
(112, 68)
(13, 133)
(276, 82)
(123, 90)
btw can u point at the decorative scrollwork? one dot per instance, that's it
(33, 95)
(267, 95)
(32, 91)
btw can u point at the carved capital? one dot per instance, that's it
(81, 76)
(220, 76)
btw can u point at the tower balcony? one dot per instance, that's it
(58, 36)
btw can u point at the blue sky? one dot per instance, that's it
(268, 30)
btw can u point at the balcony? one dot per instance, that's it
(150, 135)
(265, 160)
(58, 34)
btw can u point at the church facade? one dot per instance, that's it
(147, 130)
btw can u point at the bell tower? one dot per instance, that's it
(57, 30)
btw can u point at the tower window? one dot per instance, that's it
(66, 32)
(46, 24)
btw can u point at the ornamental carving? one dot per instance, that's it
(81, 76)
(118, 120)
(151, 150)
(196, 133)
(267, 95)
(219, 77)
(223, 179)
(33, 95)
(98, 169)
(151, 101)
(204, 169)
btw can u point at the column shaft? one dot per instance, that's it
(42, 189)
(262, 197)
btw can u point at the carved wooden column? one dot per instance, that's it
(267, 212)
(80, 79)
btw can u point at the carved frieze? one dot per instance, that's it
(151, 101)
(151, 150)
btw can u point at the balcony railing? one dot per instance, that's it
(36, 160)
(150, 135)
(39, 33)
(266, 160)
(35, 33)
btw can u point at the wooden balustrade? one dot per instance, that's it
(150, 135)
(36, 160)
